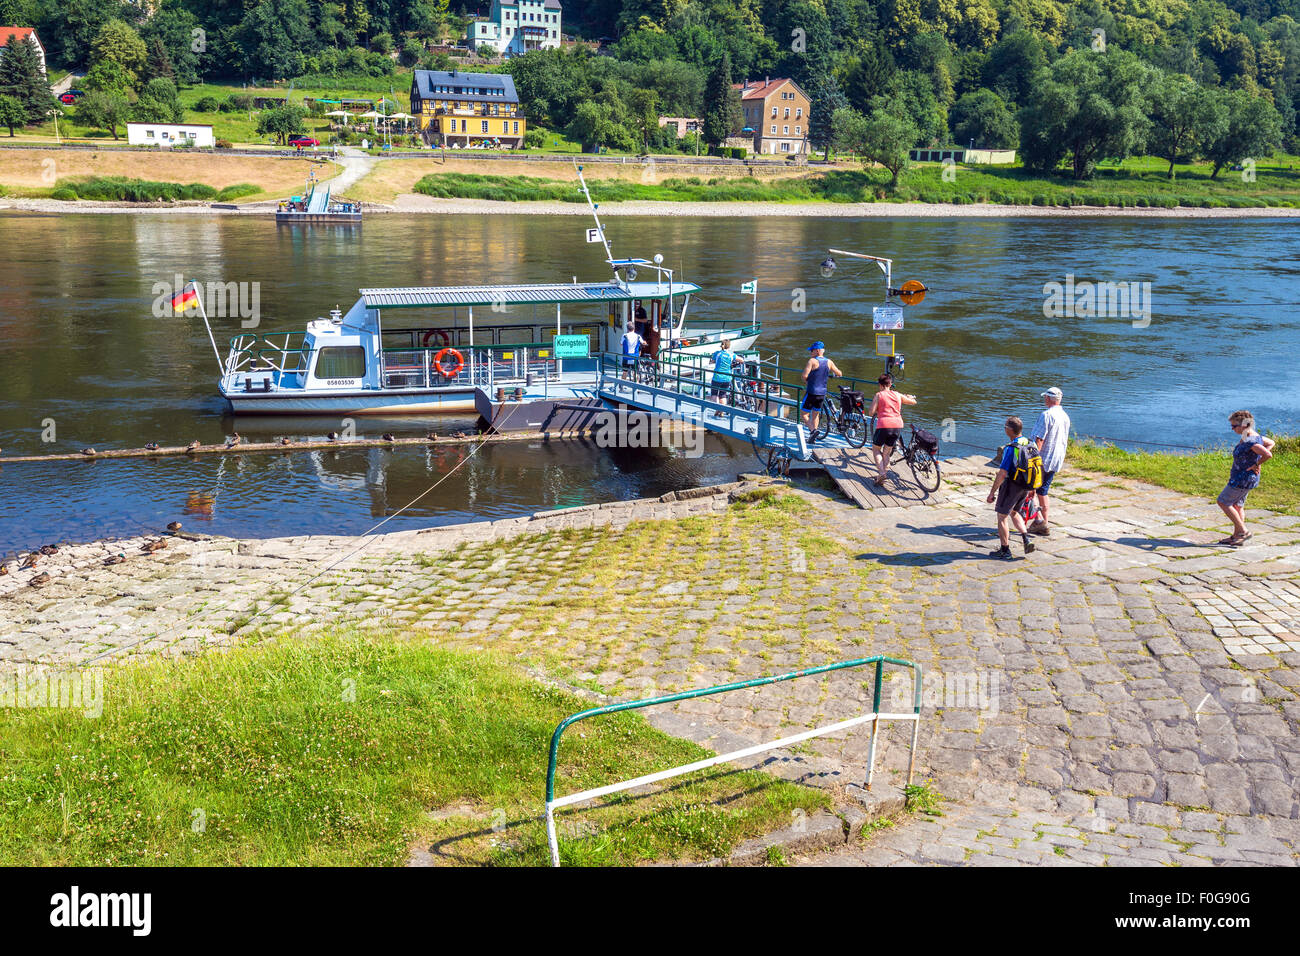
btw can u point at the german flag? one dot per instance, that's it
(188, 298)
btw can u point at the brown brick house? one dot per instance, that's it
(777, 110)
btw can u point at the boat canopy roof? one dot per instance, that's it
(548, 294)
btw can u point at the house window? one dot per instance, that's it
(798, 112)
(787, 112)
(149, 133)
(345, 362)
(773, 129)
(485, 126)
(785, 147)
(516, 126)
(773, 110)
(797, 131)
(785, 130)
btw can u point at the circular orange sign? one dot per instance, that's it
(912, 292)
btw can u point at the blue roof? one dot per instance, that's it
(476, 87)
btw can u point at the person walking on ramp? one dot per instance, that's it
(816, 374)
(1020, 475)
(887, 409)
(1051, 433)
(1251, 451)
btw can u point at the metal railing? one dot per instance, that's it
(418, 368)
(673, 388)
(874, 718)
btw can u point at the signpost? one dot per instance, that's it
(593, 235)
(572, 346)
(886, 318)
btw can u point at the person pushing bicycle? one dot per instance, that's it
(887, 410)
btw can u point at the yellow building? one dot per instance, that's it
(467, 109)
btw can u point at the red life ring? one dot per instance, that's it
(454, 370)
(442, 336)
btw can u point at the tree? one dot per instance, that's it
(275, 37)
(159, 64)
(1087, 107)
(282, 122)
(593, 126)
(22, 78)
(11, 112)
(824, 102)
(103, 110)
(848, 130)
(643, 109)
(108, 76)
(172, 27)
(1012, 64)
(1183, 116)
(722, 110)
(159, 103)
(1252, 127)
(886, 139)
(982, 117)
(117, 42)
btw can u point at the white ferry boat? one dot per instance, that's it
(424, 350)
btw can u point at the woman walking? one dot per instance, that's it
(1251, 451)
(887, 409)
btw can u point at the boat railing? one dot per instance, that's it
(282, 354)
(419, 368)
(693, 374)
(715, 337)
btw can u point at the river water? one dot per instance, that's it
(81, 350)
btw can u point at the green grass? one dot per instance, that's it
(122, 189)
(335, 751)
(1135, 184)
(1201, 473)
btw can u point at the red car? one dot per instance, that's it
(67, 98)
(301, 141)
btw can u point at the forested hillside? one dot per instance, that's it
(1069, 83)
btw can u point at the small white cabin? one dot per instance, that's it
(169, 134)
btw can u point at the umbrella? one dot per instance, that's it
(371, 114)
(402, 116)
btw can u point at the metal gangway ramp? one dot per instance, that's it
(762, 409)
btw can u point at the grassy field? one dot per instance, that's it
(37, 173)
(348, 750)
(1202, 473)
(1137, 184)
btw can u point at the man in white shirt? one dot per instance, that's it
(1051, 434)
(632, 345)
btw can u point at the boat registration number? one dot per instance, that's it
(341, 381)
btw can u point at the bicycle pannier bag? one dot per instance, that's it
(927, 440)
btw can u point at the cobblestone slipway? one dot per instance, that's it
(1129, 694)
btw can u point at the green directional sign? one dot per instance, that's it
(572, 346)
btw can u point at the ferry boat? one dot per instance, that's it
(428, 350)
(316, 206)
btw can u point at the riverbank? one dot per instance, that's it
(1115, 716)
(425, 205)
(1200, 473)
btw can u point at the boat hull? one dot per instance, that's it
(415, 402)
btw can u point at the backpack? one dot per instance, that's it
(1026, 466)
(851, 401)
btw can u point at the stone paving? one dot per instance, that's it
(1103, 700)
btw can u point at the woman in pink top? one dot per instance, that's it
(887, 409)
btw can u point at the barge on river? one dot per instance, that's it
(429, 350)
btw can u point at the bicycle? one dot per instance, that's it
(921, 456)
(848, 416)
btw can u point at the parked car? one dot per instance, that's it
(301, 141)
(67, 97)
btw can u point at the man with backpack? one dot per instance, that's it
(1020, 474)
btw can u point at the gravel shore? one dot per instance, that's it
(416, 204)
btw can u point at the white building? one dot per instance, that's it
(169, 134)
(517, 26)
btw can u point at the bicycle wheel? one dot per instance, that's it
(925, 468)
(854, 429)
(778, 462)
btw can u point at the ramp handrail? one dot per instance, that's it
(875, 716)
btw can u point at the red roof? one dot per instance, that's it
(20, 32)
(759, 91)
